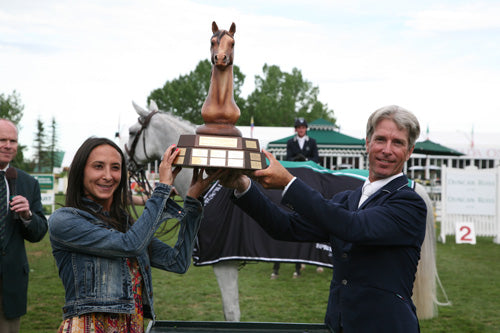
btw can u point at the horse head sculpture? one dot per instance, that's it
(222, 46)
(219, 111)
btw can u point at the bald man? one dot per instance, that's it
(21, 218)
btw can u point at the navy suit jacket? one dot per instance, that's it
(309, 151)
(376, 248)
(13, 261)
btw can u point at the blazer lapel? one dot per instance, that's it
(392, 186)
(354, 199)
(395, 184)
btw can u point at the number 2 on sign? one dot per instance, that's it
(465, 233)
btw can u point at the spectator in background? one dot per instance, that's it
(21, 218)
(299, 148)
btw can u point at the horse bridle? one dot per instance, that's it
(136, 171)
(144, 121)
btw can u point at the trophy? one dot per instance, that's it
(218, 143)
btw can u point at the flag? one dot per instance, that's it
(251, 126)
(472, 138)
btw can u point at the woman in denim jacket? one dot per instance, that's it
(103, 256)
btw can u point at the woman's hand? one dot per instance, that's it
(167, 175)
(200, 184)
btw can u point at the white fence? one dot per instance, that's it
(471, 195)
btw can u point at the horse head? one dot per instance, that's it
(222, 46)
(153, 133)
(136, 149)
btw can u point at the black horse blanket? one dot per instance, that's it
(227, 233)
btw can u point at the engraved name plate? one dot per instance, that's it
(225, 142)
(219, 152)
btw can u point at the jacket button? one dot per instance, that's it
(344, 282)
(344, 255)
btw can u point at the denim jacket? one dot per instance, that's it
(92, 258)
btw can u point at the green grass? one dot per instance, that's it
(470, 275)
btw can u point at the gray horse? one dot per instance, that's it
(148, 140)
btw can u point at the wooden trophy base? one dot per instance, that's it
(218, 129)
(221, 152)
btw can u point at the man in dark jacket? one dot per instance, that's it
(301, 147)
(21, 217)
(375, 231)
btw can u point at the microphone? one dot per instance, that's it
(11, 175)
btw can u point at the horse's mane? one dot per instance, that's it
(185, 125)
(181, 125)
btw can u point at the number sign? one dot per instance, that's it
(465, 233)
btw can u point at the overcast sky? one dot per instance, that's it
(84, 62)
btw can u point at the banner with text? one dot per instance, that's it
(470, 202)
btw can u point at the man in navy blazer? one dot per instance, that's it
(25, 220)
(301, 147)
(375, 231)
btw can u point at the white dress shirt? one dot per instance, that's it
(370, 188)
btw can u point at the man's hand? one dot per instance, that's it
(275, 176)
(234, 179)
(21, 206)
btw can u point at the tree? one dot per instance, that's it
(52, 147)
(41, 159)
(20, 162)
(11, 107)
(280, 97)
(185, 95)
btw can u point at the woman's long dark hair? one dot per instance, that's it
(75, 191)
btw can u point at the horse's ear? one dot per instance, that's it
(140, 111)
(232, 30)
(153, 106)
(215, 28)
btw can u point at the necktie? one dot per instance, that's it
(3, 205)
(367, 191)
